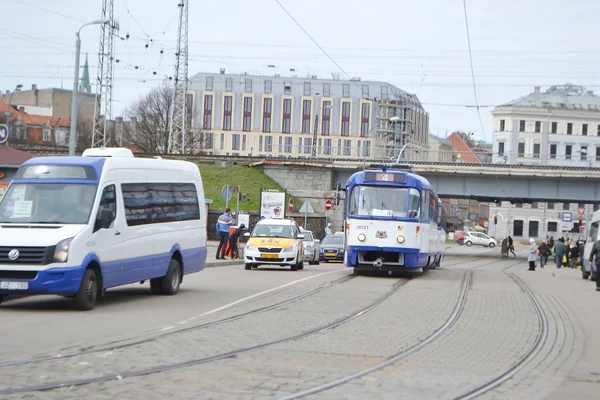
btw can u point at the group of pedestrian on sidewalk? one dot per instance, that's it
(566, 253)
(228, 242)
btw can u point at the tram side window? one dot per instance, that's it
(426, 207)
(415, 203)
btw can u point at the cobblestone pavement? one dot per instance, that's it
(497, 328)
(286, 321)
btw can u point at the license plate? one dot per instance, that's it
(330, 254)
(14, 285)
(269, 256)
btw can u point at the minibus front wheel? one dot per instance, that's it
(87, 295)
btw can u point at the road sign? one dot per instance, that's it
(457, 211)
(567, 217)
(581, 210)
(226, 193)
(307, 208)
(291, 204)
(3, 133)
(328, 205)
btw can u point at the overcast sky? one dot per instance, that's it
(417, 45)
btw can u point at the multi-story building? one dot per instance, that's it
(281, 116)
(560, 126)
(441, 149)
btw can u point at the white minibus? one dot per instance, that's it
(76, 226)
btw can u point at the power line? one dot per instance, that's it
(473, 70)
(46, 10)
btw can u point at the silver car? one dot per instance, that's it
(311, 248)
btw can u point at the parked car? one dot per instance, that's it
(332, 248)
(459, 237)
(311, 248)
(479, 239)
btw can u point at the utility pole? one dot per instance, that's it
(178, 119)
(315, 129)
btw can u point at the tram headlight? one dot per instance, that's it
(361, 237)
(400, 239)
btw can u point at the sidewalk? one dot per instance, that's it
(211, 261)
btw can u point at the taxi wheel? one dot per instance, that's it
(301, 265)
(247, 266)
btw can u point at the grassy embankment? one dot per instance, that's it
(250, 180)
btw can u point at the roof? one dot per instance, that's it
(13, 157)
(566, 96)
(276, 221)
(441, 140)
(35, 120)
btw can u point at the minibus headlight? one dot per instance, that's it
(361, 237)
(61, 252)
(400, 239)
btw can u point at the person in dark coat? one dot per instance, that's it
(544, 253)
(233, 241)
(511, 246)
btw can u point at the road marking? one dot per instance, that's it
(226, 306)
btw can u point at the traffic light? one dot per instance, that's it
(495, 220)
(580, 220)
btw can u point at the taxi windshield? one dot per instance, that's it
(274, 231)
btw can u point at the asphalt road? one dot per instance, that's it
(39, 323)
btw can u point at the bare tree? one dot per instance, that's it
(148, 120)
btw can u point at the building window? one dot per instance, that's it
(327, 93)
(553, 151)
(307, 145)
(209, 83)
(521, 126)
(269, 143)
(521, 150)
(307, 88)
(347, 147)
(598, 132)
(555, 127)
(552, 226)
(287, 116)
(367, 149)
(569, 128)
(260, 143)
(566, 206)
(247, 124)
(208, 103)
(597, 153)
(327, 149)
(583, 152)
(227, 107)
(538, 126)
(385, 95)
(596, 207)
(267, 109)
(288, 145)
(364, 120)
(568, 151)
(287, 88)
(339, 147)
(518, 227)
(235, 141)
(502, 125)
(345, 90)
(208, 140)
(222, 141)
(299, 145)
(248, 85)
(584, 129)
(326, 120)
(46, 135)
(306, 105)
(500, 148)
(536, 149)
(319, 146)
(345, 118)
(534, 228)
(519, 205)
(550, 206)
(358, 149)
(243, 142)
(365, 91)
(268, 86)
(280, 149)
(228, 84)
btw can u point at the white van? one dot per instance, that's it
(589, 270)
(76, 226)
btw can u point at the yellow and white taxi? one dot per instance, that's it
(274, 242)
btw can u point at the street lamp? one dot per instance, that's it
(73, 130)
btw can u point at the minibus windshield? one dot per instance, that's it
(48, 203)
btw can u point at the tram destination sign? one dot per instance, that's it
(385, 177)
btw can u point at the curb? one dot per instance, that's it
(223, 264)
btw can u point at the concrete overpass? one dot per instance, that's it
(483, 182)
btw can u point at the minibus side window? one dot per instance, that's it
(108, 201)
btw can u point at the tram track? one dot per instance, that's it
(121, 344)
(203, 360)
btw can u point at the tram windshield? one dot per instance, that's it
(378, 201)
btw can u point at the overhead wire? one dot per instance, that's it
(473, 71)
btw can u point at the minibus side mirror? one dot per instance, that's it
(106, 218)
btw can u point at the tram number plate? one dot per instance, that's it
(269, 255)
(14, 285)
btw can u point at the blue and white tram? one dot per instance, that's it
(395, 222)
